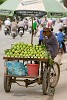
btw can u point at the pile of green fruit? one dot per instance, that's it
(23, 50)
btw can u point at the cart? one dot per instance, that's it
(48, 75)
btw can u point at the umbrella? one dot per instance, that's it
(8, 7)
(54, 8)
(31, 8)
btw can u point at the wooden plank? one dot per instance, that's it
(26, 59)
(22, 76)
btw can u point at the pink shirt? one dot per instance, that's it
(49, 24)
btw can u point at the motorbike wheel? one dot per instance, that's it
(21, 35)
(13, 36)
(5, 33)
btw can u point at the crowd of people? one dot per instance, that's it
(15, 24)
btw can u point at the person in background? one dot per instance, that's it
(43, 20)
(35, 27)
(7, 23)
(50, 42)
(65, 26)
(52, 30)
(49, 23)
(41, 37)
(30, 26)
(60, 24)
(21, 24)
(53, 20)
(60, 37)
(14, 25)
(26, 23)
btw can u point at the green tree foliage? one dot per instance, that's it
(1, 1)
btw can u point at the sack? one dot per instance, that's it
(16, 68)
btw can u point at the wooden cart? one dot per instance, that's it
(48, 74)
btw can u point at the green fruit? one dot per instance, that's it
(27, 50)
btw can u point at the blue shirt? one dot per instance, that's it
(60, 37)
(41, 35)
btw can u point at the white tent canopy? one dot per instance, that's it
(31, 7)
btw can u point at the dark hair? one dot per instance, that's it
(13, 19)
(60, 29)
(43, 30)
(51, 29)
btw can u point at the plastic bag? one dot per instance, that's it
(16, 68)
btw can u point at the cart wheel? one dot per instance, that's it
(54, 74)
(45, 81)
(7, 83)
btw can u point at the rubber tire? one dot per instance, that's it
(5, 33)
(20, 35)
(7, 83)
(58, 67)
(45, 82)
(13, 36)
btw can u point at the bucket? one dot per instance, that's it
(33, 69)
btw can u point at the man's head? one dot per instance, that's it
(46, 32)
(60, 29)
(8, 19)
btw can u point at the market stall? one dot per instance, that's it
(48, 71)
(19, 63)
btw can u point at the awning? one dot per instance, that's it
(8, 7)
(54, 8)
(31, 8)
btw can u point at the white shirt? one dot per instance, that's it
(7, 23)
(21, 24)
(60, 25)
(49, 24)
